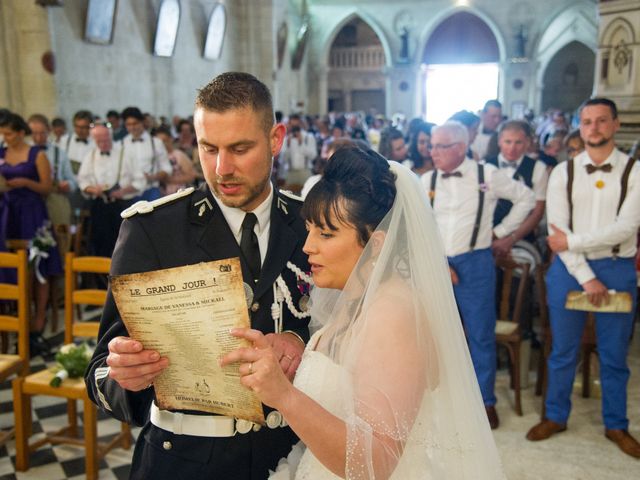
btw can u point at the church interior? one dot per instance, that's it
(321, 59)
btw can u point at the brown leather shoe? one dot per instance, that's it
(544, 430)
(625, 442)
(492, 415)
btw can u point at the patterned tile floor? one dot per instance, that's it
(580, 453)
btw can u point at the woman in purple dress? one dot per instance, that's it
(28, 178)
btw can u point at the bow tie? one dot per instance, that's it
(504, 164)
(82, 140)
(137, 140)
(106, 154)
(592, 168)
(452, 174)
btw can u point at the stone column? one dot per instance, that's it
(25, 86)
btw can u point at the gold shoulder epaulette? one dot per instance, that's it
(145, 206)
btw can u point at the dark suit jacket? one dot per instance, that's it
(189, 230)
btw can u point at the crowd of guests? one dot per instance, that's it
(489, 179)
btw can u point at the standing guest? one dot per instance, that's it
(593, 205)
(58, 128)
(472, 122)
(337, 131)
(513, 140)
(149, 154)
(109, 179)
(4, 114)
(118, 132)
(491, 117)
(28, 177)
(186, 140)
(64, 182)
(573, 144)
(183, 173)
(298, 152)
(420, 149)
(76, 145)
(464, 195)
(237, 213)
(392, 145)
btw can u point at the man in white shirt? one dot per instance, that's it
(593, 210)
(491, 117)
(150, 156)
(110, 179)
(300, 149)
(514, 139)
(76, 145)
(464, 194)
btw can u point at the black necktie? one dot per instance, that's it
(106, 154)
(249, 245)
(592, 168)
(82, 140)
(452, 174)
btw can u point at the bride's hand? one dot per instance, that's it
(260, 369)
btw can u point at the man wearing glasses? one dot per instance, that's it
(464, 194)
(78, 144)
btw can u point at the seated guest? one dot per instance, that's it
(148, 153)
(420, 149)
(573, 144)
(184, 173)
(464, 194)
(110, 178)
(186, 140)
(64, 182)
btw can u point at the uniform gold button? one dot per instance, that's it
(167, 445)
(255, 306)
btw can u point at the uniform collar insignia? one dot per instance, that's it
(282, 205)
(203, 205)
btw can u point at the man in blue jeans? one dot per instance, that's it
(593, 210)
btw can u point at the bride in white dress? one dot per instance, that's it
(386, 388)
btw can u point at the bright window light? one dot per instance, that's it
(450, 88)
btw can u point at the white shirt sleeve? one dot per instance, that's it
(86, 178)
(558, 215)
(162, 157)
(540, 179)
(523, 198)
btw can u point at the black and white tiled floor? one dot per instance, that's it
(59, 462)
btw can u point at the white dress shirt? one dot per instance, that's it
(596, 227)
(481, 142)
(97, 169)
(148, 158)
(456, 205)
(299, 154)
(75, 149)
(235, 217)
(539, 178)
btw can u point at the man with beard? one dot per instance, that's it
(237, 213)
(593, 209)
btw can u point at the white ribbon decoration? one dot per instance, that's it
(35, 256)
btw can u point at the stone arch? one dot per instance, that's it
(618, 27)
(576, 23)
(568, 78)
(327, 42)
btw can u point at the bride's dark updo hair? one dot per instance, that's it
(357, 188)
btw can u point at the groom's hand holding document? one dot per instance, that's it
(179, 320)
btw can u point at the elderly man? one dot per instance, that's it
(64, 182)
(593, 209)
(109, 178)
(149, 154)
(237, 213)
(491, 117)
(464, 195)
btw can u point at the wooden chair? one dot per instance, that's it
(18, 323)
(14, 244)
(73, 389)
(508, 331)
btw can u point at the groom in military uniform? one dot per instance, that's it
(238, 213)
